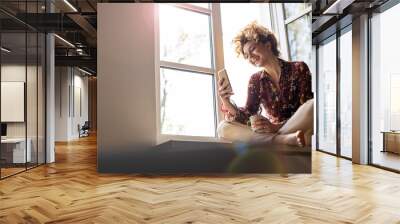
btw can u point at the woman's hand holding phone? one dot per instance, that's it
(224, 86)
(224, 90)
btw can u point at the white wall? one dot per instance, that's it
(67, 81)
(61, 104)
(80, 83)
(126, 83)
(12, 73)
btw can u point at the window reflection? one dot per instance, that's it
(293, 9)
(300, 39)
(346, 94)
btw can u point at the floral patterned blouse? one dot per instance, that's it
(279, 104)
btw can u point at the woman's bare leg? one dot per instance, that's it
(296, 139)
(234, 131)
(299, 128)
(296, 131)
(302, 119)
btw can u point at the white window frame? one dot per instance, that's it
(182, 67)
(279, 27)
(217, 59)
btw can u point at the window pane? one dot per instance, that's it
(346, 94)
(187, 103)
(239, 70)
(299, 36)
(293, 9)
(327, 97)
(32, 101)
(385, 88)
(184, 36)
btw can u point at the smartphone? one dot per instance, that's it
(222, 74)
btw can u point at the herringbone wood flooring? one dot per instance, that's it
(71, 191)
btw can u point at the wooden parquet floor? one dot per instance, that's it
(71, 191)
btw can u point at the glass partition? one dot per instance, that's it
(13, 95)
(385, 89)
(22, 88)
(335, 94)
(327, 96)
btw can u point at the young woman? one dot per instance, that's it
(281, 88)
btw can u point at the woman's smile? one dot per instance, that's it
(255, 60)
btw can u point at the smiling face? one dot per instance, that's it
(257, 44)
(258, 54)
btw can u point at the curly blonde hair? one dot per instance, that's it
(257, 33)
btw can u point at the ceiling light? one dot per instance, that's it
(65, 41)
(70, 5)
(5, 50)
(338, 6)
(84, 71)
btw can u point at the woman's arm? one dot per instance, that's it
(228, 108)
